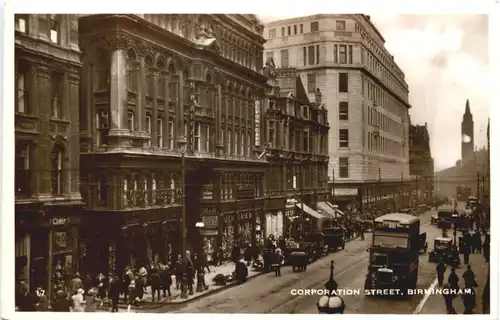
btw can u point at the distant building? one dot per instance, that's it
(48, 204)
(365, 94)
(472, 171)
(421, 162)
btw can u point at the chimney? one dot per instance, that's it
(318, 96)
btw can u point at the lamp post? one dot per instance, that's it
(182, 147)
(200, 283)
(200, 225)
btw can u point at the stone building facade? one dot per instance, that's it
(47, 192)
(296, 135)
(366, 96)
(153, 84)
(421, 163)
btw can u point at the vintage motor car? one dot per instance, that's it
(299, 259)
(446, 218)
(316, 242)
(423, 243)
(444, 251)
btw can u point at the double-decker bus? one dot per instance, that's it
(394, 255)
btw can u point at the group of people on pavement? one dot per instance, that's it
(472, 243)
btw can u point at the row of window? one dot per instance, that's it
(375, 48)
(309, 176)
(24, 175)
(385, 145)
(384, 123)
(342, 54)
(381, 72)
(299, 29)
(380, 96)
(54, 25)
(310, 55)
(343, 82)
(25, 81)
(241, 186)
(297, 140)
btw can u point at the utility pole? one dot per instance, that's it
(333, 186)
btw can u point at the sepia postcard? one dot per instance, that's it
(325, 163)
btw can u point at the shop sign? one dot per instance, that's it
(59, 221)
(209, 210)
(290, 203)
(346, 192)
(244, 215)
(257, 123)
(210, 221)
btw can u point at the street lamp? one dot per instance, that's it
(200, 225)
(200, 283)
(182, 147)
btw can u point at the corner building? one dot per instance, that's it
(48, 206)
(366, 97)
(152, 85)
(421, 163)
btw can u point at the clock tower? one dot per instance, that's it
(467, 134)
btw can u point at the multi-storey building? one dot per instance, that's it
(421, 162)
(157, 87)
(365, 94)
(296, 136)
(47, 195)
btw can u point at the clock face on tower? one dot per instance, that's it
(466, 138)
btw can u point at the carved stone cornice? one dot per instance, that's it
(117, 41)
(143, 48)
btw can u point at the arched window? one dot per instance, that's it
(22, 89)
(132, 71)
(229, 135)
(173, 86)
(57, 170)
(55, 28)
(162, 78)
(22, 174)
(103, 76)
(185, 88)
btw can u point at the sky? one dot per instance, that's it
(445, 61)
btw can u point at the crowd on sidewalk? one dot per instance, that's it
(469, 296)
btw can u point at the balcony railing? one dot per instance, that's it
(158, 197)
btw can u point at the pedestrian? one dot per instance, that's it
(78, 301)
(92, 300)
(204, 261)
(179, 270)
(88, 283)
(132, 295)
(440, 270)
(61, 302)
(453, 280)
(478, 241)
(362, 231)
(165, 279)
(25, 300)
(114, 293)
(248, 254)
(486, 248)
(141, 282)
(155, 284)
(235, 254)
(76, 283)
(469, 301)
(190, 272)
(466, 251)
(469, 278)
(241, 272)
(101, 287)
(278, 259)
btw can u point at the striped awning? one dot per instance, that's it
(327, 210)
(310, 211)
(337, 210)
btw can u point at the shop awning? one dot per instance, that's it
(338, 212)
(327, 210)
(310, 211)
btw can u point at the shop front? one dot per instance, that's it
(275, 217)
(290, 217)
(47, 247)
(311, 220)
(209, 232)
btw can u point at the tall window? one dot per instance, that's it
(340, 25)
(289, 30)
(249, 144)
(173, 85)
(159, 129)
(350, 54)
(242, 143)
(344, 167)
(342, 54)
(311, 55)
(305, 141)
(304, 53)
(54, 29)
(344, 138)
(335, 53)
(102, 126)
(236, 138)
(317, 54)
(131, 71)
(314, 26)
(21, 23)
(57, 168)
(272, 33)
(162, 81)
(272, 134)
(229, 133)
(149, 76)
(57, 86)
(22, 176)
(343, 82)
(171, 135)
(311, 83)
(282, 31)
(207, 138)
(148, 129)
(197, 133)
(284, 58)
(301, 28)
(343, 110)
(22, 91)
(131, 121)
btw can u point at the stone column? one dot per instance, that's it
(118, 92)
(226, 123)
(43, 167)
(72, 98)
(141, 95)
(180, 109)
(234, 136)
(154, 124)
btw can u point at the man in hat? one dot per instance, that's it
(61, 302)
(114, 292)
(469, 278)
(76, 283)
(78, 301)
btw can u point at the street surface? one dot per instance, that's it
(271, 294)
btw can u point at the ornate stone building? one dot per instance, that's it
(153, 83)
(296, 133)
(47, 194)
